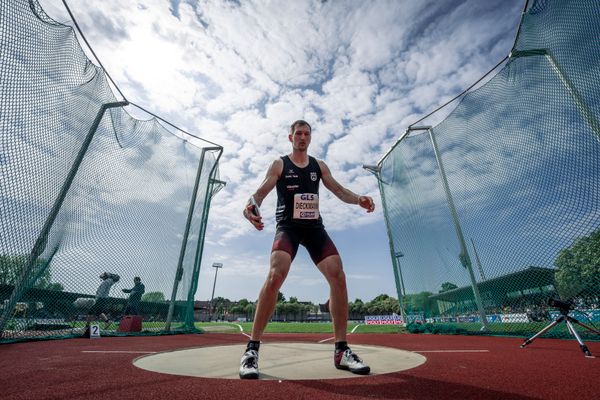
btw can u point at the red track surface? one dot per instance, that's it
(546, 369)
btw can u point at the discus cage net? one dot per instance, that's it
(496, 209)
(85, 189)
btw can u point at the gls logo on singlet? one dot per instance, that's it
(306, 206)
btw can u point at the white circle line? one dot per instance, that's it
(451, 351)
(118, 351)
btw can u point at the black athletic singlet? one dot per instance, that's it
(298, 219)
(298, 194)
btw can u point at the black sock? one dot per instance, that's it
(341, 346)
(253, 345)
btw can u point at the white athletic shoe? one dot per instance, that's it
(348, 360)
(249, 365)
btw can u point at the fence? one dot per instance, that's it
(90, 197)
(495, 210)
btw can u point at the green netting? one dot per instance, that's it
(87, 189)
(521, 156)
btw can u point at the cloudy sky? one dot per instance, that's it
(238, 73)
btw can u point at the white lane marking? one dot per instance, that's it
(451, 351)
(242, 331)
(118, 351)
(326, 340)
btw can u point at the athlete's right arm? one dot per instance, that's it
(264, 189)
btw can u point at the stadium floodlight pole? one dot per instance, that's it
(23, 281)
(464, 258)
(216, 266)
(375, 170)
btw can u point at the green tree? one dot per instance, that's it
(11, 268)
(578, 268)
(249, 310)
(446, 286)
(380, 305)
(54, 286)
(280, 297)
(237, 309)
(419, 303)
(220, 302)
(243, 302)
(381, 297)
(356, 307)
(391, 306)
(153, 297)
(219, 311)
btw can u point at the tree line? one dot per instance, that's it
(577, 275)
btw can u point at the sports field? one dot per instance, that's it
(298, 327)
(456, 367)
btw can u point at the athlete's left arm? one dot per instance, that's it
(346, 195)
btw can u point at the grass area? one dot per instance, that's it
(523, 330)
(303, 327)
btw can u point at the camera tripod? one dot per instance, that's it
(565, 317)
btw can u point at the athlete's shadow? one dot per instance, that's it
(398, 386)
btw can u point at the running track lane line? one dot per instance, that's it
(242, 331)
(328, 339)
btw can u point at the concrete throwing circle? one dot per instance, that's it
(280, 360)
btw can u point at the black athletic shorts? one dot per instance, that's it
(315, 239)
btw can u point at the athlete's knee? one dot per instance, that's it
(275, 279)
(280, 265)
(338, 279)
(334, 272)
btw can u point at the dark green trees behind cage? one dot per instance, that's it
(12, 266)
(578, 268)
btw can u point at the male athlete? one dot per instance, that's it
(296, 177)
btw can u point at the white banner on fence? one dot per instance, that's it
(383, 320)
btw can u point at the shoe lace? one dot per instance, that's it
(353, 356)
(250, 362)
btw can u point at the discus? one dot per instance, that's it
(255, 210)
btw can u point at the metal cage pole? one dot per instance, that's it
(581, 105)
(376, 170)
(464, 254)
(210, 192)
(186, 232)
(402, 287)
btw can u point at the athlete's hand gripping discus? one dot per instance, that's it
(255, 209)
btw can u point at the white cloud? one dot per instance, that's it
(239, 74)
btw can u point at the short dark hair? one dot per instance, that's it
(137, 278)
(299, 122)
